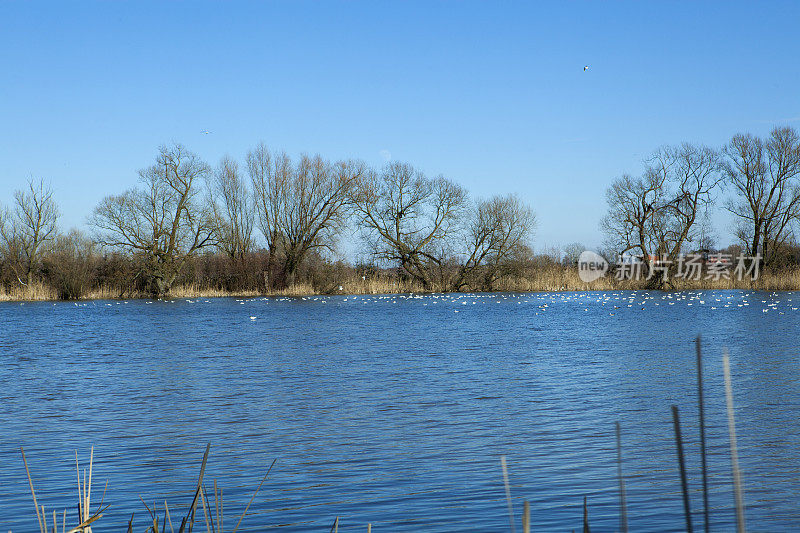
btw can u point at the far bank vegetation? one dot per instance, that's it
(270, 224)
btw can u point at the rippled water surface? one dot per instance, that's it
(395, 410)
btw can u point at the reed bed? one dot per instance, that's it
(348, 285)
(36, 291)
(197, 291)
(85, 517)
(544, 278)
(158, 518)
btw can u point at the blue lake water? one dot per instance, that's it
(395, 410)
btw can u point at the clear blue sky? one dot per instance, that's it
(492, 95)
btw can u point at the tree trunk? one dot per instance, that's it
(270, 274)
(756, 238)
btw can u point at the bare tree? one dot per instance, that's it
(164, 221)
(766, 178)
(499, 230)
(300, 207)
(409, 218)
(232, 206)
(27, 227)
(270, 176)
(632, 204)
(655, 215)
(572, 253)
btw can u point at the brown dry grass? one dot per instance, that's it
(376, 285)
(555, 279)
(785, 280)
(34, 292)
(551, 278)
(196, 291)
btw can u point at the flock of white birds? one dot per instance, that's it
(607, 302)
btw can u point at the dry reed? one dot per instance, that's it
(546, 278)
(737, 473)
(85, 517)
(213, 512)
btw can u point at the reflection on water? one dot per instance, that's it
(395, 410)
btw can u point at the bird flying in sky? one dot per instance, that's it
(206, 132)
(585, 68)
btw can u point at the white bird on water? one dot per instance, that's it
(252, 318)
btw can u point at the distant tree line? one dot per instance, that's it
(272, 223)
(664, 211)
(265, 225)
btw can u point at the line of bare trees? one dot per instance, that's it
(664, 211)
(182, 209)
(273, 222)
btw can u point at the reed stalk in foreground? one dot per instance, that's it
(706, 521)
(684, 483)
(737, 473)
(526, 517)
(508, 492)
(585, 516)
(623, 506)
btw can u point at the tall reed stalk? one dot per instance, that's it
(85, 517)
(706, 521)
(684, 483)
(738, 490)
(623, 506)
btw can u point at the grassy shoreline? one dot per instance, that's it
(550, 280)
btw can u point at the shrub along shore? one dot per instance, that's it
(540, 275)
